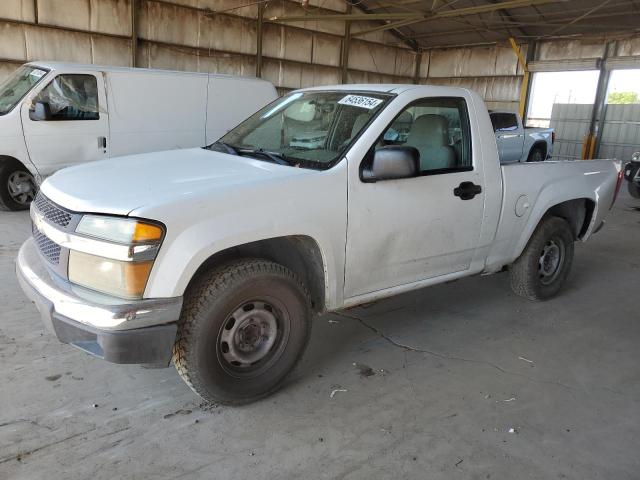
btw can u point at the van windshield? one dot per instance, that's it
(307, 129)
(16, 86)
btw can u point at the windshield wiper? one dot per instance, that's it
(230, 149)
(274, 157)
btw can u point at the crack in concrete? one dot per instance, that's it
(443, 356)
(20, 455)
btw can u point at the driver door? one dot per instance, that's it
(406, 230)
(76, 128)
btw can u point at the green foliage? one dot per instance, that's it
(623, 98)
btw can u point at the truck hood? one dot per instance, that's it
(121, 185)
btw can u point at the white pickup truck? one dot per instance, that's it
(517, 143)
(218, 258)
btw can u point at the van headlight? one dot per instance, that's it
(120, 265)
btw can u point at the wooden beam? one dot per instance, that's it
(260, 20)
(344, 53)
(134, 32)
(458, 12)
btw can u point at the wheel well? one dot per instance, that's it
(577, 213)
(539, 145)
(299, 253)
(6, 159)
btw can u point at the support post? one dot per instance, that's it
(344, 54)
(594, 137)
(261, 7)
(35, 11)
(416, 73)
(134, 33)
(524, 88)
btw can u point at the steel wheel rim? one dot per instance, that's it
(252, 338)
(551, 260)
(21, 187)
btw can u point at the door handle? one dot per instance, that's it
(102, 142)
(467, 190)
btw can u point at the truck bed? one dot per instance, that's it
(530, 189)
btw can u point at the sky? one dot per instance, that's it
(575, 87)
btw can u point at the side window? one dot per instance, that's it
(504, 122)
(71, 97)
(439, 129)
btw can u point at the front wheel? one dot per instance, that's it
(543, 267)
(243, 328)
(17, 186)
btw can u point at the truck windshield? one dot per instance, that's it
(17, 85)
(307, 129)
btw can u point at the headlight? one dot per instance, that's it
(104, 268)
(635, 157)
(120, 230)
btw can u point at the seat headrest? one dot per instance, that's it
(431, 130)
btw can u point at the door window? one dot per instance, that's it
(439, 129)
(71, 97)
(504, 122)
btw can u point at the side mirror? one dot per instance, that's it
(391, 163)
(41, 111)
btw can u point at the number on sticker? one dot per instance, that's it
(360, 101)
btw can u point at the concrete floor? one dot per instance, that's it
(564, 375)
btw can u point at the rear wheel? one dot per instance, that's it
(243, 328)
(17, 186)
(544, 265)
(536, 155)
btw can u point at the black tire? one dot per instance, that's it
(210, 339)
(634, 189)
(536, 155)
(632, 184)
(535, 275)
(9, 170)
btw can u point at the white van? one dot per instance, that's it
(53, 115)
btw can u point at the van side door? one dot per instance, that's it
(66, 122)
(509, 136)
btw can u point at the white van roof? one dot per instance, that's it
(89, 67)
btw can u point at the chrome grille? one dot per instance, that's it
(48, 249)
(52, 212)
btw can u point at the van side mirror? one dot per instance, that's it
(41, 111)
(391, 163)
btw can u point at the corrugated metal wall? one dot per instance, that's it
(188, 35)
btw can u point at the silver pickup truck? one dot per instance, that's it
(517, 143)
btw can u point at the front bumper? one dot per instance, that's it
(141, 331)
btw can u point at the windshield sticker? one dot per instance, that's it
(37, 73)
(360, 101)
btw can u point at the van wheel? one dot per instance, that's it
(543, 267)
(243, 328)
(17, 186)
(536, 155)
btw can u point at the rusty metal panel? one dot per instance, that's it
(169, 24)
(473, 62)
(17, 10)
(57, 45)
(65, 13)
(110, 51)
(7, 69)
(405, 64)
(629, 47)
(279, 9)
(227, 33)
(326, 50)
(111, 16)
(373, 58)
(12, 41)
(243, 8)
(281, 42)
(570, 49)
